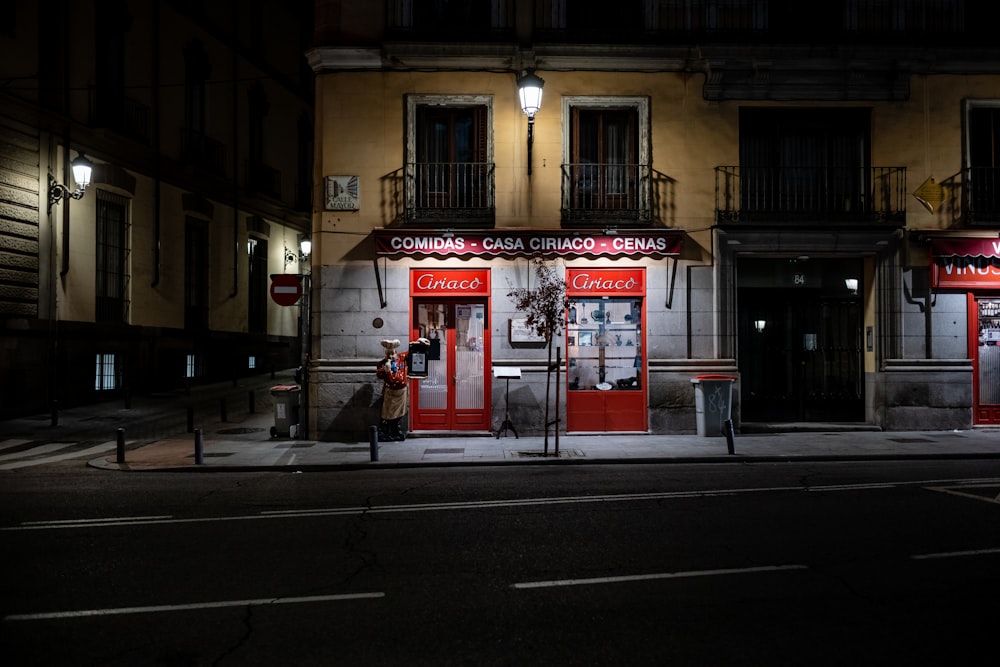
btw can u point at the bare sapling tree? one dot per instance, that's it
(545, 309)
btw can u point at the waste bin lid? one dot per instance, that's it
(713, 376)
(284, 387)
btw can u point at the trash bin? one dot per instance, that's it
(713, 402)
(286, 409)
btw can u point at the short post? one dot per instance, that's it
(251, 402)
(120, 446)
(199, 448)
(373, 442)
(223, 417)
(190, 419)
(55, 413)
(727, 429)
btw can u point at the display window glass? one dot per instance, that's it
(604, 344)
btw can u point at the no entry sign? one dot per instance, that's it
(286, 288)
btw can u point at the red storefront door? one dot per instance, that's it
(605, 350)
(451, 309)
(973, 264)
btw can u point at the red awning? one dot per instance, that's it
(965, 247)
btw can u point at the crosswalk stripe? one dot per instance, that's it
(9, 444)
(40, 449)
(90, 451)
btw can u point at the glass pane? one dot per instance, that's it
(469, 335)
(434, 389)
(604, 344)
(989, 351)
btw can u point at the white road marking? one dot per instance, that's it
(659, 575)
(957, 554)
(90, 451)
(158, 609)
(71, 522)
(7, 444)
(473, 505)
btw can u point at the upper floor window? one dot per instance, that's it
(111, 291)
(904, 15)
(196, 265)
(434, 18)
(606, 177)
(449, 161)
(808, 165)
(982, 182)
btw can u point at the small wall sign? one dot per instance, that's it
(341, 193)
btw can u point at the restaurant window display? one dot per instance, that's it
(605, 359)
(987, 360)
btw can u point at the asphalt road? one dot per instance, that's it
(769, 564)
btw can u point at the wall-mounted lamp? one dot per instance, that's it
(305, 249)
(82, 171)
(851, 284)
(611, 231)
(759, 325)
(529, 90)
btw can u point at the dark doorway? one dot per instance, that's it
(800, 356)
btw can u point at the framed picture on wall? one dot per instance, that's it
(518, 333)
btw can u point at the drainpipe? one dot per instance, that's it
(156, 144)
(236, 156)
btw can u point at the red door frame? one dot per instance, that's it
(451, 287)
(981, 414)
(609, 411)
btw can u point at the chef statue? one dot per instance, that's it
(393, 372)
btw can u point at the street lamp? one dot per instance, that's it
(82, 171)
(529, 90)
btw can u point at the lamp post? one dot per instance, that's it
(529, 90)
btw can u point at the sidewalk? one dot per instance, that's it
(237, 438)
(247, 446)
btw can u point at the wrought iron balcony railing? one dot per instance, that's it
(200, 150)
(262, 179)
(797, 194)
(605, 193)
(450, 193)
(982, 195)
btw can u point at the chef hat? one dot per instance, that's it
(390, 346)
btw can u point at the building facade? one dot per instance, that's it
(799, 196)
(197, 119)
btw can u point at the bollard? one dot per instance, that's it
(199, 448)
(55, 413)
(251, 402)
(373, 442)
(190, 419)
(222, 411)
(120, 446)
(727, 429)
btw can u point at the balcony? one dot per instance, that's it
(605, 194)
(873, 195)
(113, 111)
(982, 192)
(262, 179)
(200, 150)
(450, 194)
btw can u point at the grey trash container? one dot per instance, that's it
(286, 409)
(713, 403)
